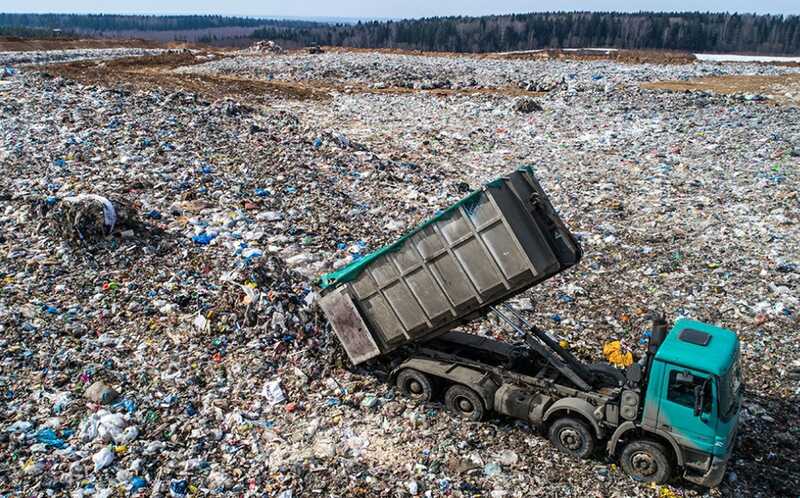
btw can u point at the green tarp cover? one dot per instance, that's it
(354, 269)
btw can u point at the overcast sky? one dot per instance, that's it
(388, 8)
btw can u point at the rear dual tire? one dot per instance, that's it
(460, 400)
(464, 403)
(416, 385)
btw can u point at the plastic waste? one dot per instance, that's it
(137, 483)
(508, 457)
(273, 393)
(48, 437)
(178, 488)
(492, 469)
(103, 458)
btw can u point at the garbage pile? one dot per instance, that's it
(526, 106)
(88, 217)
(68, 55)
(414, 71)
(266, 47)
(186, 356)
(543, 84)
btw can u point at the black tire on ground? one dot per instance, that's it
(464, 403)
(416, 385)
(647, 461)
(572, 436)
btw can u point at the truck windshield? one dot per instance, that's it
(729, 389)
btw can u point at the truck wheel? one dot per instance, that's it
(415, 384)
(463, 402)
(646, 461)
(572, 436)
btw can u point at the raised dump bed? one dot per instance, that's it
(498, 241)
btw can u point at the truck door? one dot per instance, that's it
(677, 413)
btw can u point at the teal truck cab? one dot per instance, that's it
(693, 395)
(674, 411)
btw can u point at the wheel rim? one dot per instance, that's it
(570, 439)
(464, 404)
(415, 387)
(644, 464)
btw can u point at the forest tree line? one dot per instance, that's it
(99, 23)
(689, 31)
(696, 32)
(37, 33)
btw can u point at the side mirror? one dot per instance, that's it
(698, 400)
(700, 397)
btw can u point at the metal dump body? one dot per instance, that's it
(498, 241)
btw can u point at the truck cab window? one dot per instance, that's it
(681, 389)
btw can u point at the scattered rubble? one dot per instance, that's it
(543, 85)
(266, 47)
(51, 56)
(526, 106)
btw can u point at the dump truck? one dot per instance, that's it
(672, 412)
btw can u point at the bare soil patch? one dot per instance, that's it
(783, 88)
(16, 44)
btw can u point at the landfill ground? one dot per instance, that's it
(18, 44)
(182, 354)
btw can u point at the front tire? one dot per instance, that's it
(416, 385)
(464, 402)
(646, 461)
(572, 436)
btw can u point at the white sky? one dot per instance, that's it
(389, 8)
